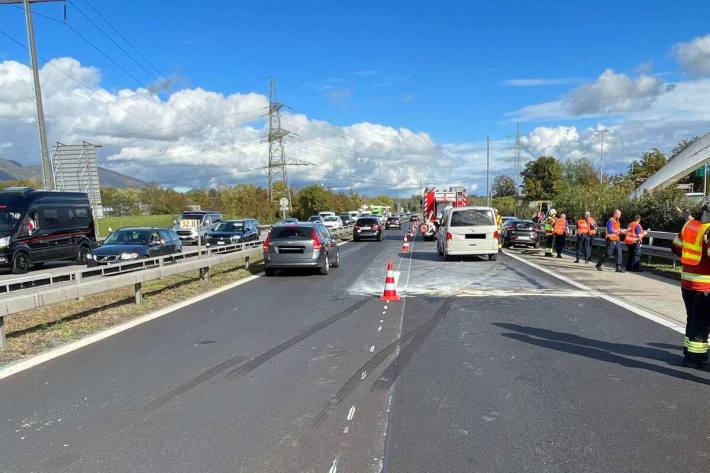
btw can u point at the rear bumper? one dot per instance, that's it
(366, 234)
(487, 251)
(393, 226)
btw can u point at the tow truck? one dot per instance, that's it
(434, 202)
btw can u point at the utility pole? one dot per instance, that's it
(277, 152)
(516, 156)
(47, 172)
(601, 154)
(488, 171)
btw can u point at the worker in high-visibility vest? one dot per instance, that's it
(586, 229)
(613, 244)
(691, 244)
(560, 231)
(499, 227)
(634, 236)
(549, 231)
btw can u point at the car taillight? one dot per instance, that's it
(356, 228)
(316, 241)
(375, 227)
(496, 235)
(266, 243)
(449, 236)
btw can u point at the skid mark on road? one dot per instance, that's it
(254, 363)
(420, 334)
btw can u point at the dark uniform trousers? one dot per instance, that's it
(612, 247)
(584, 246)
(633, 263)
(697, 307)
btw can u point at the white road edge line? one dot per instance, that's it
(643, 313)
(351, 413)
(97, 337)
(334, 466)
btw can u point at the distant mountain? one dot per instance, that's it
(13, 170)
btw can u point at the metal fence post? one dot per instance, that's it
(138, 292)
(650, 243)
(2, 332)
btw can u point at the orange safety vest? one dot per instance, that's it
(631, 237)
(582, 227)
(695, 259)
(560, 226)
(592, 227)
(614, 235)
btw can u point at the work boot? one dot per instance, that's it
(599, 267)
(586, 261)
(697, 363)
(559, 256)
(577, 260)
(619, 270)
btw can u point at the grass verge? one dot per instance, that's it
(165, 221)
(36, 331)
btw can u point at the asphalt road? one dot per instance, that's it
(484, 366)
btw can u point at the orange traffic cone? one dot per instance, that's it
(390, 293)
(405, 244)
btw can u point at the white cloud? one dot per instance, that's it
(610, 93)
(694, 55)
(195, 137)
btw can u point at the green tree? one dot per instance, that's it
(649, 164)
(579, 172)
(504, 186)
(313, 199)
(682, 145)
(542, 178)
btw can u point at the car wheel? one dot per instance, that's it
(336, 264)
(325, 268)
(81, 256)
(492, 257)
(20, 262)
(355, 238)
(269, 271)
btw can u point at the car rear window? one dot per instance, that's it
(291, 232)
(471, 217)
(367, 221)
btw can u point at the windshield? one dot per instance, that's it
(8, 219)
(192, 216)
(471, 217)
(127, 237)
(331, 219)
(230, 227)
(314, 218)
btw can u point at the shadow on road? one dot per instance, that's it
(609, 352)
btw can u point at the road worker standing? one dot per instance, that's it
(691, 244)
(634, 236)
(560, 231)
(586, 229)
(550, 231)
(613, 245)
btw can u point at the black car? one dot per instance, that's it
(40, 226)
(520, 233)
(393, 222)
(232, 231)
(132, 243)
(368, 227)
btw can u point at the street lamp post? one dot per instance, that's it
(601, 154)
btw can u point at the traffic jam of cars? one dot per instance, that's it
(38, 227)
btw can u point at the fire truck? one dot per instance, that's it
(434, 202)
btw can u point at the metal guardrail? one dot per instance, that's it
(648, 249)
(73, 284)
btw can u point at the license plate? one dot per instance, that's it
(523, 237)
(365, 228)
(220, 243)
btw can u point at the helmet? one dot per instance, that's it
(552, 212)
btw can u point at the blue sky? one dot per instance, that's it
(433, 67)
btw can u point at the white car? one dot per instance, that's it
(468, 231)
(333, 222)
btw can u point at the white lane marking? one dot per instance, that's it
(643, 313)
(372, 349)
(346, 429)
(351, 413)
(363, 375)
(382, 321)
(385, 307)
(97, 337)
(379, 329)
(384, 312)
(504, 293)
(334, 466)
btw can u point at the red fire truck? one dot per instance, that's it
(434, 202)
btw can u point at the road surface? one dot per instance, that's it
(484, 366)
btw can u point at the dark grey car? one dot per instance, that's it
(300, 245)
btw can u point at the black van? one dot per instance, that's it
(40, 226)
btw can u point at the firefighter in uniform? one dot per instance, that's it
(586, 229)
(634, 236)
(549, 231)
(613, 245)
(560, 231)
(691, 244)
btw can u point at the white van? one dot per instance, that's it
(468, 231)
(327, 214)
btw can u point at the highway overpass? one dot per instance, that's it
(693, 157)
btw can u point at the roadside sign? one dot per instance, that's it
(283, 202)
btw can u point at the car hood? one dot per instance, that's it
(224, 234)
(109, 250)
